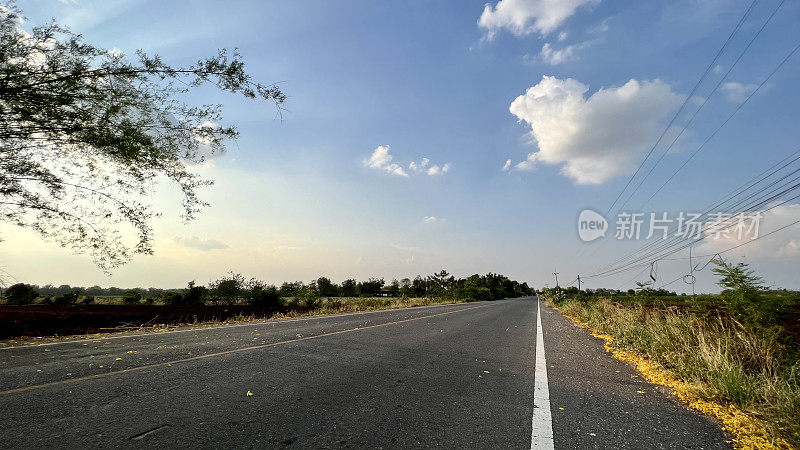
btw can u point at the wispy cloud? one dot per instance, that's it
(555, 56)
(737, 92)
(433, 219)
(199, 243)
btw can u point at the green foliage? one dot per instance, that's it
(68, 298)
(261, 294)
(748, 357)
(555, 295)
(370, 288)
(348, 288)
(487, 287)
(309, 298)
(20, 294)
(173, 298)
(132, 296)
(234, 289)
(86, 132)
(194, 295)
(737, 277)
(326, 288)
(227, 290)
(741, 286)
(393, 289)
(288, 289)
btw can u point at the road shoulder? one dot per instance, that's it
(598, 401)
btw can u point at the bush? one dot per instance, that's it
(265, 296)
(333, 303)
(88, 300)
(194, 295)
(132, 296)
(20, 294)
(69, 298)
(309, 298)
(227, 290)
(173, 298)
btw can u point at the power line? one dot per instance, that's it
(739, 107)
(703, 104)
(761, 177)
(654, 254)
(654, 258)
(686, 101)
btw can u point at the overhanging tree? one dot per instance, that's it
(86, 133)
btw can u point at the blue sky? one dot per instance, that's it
(296, 198)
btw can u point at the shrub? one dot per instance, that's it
(173, 298)
(309, 298)
(20, 294)
(194, 295)
(266, 296)
(132, 296)
(68, 298)
(227, 290)
(333, 303)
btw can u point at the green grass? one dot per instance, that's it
(745, 354)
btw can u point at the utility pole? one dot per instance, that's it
(556, 274)
(579, 282)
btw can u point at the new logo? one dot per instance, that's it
(591, 225)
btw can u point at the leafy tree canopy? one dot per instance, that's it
(737, 277)
(85, 134)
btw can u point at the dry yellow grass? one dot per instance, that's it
(712, 349)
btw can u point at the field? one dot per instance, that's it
(110, 314)
(744, 354)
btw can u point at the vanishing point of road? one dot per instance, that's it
(502, 375)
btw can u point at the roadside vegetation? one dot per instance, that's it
(235, 289)
(46, 310)
(740, 348)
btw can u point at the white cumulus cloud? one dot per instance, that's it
(381, 159)
(595, 138)
(522, 17)
(433, 219)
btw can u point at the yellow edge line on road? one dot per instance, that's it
(227, 352)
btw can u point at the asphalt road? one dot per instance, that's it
(454, 376)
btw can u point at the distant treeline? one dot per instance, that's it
(236, 289)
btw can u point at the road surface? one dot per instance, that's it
(452, 376)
